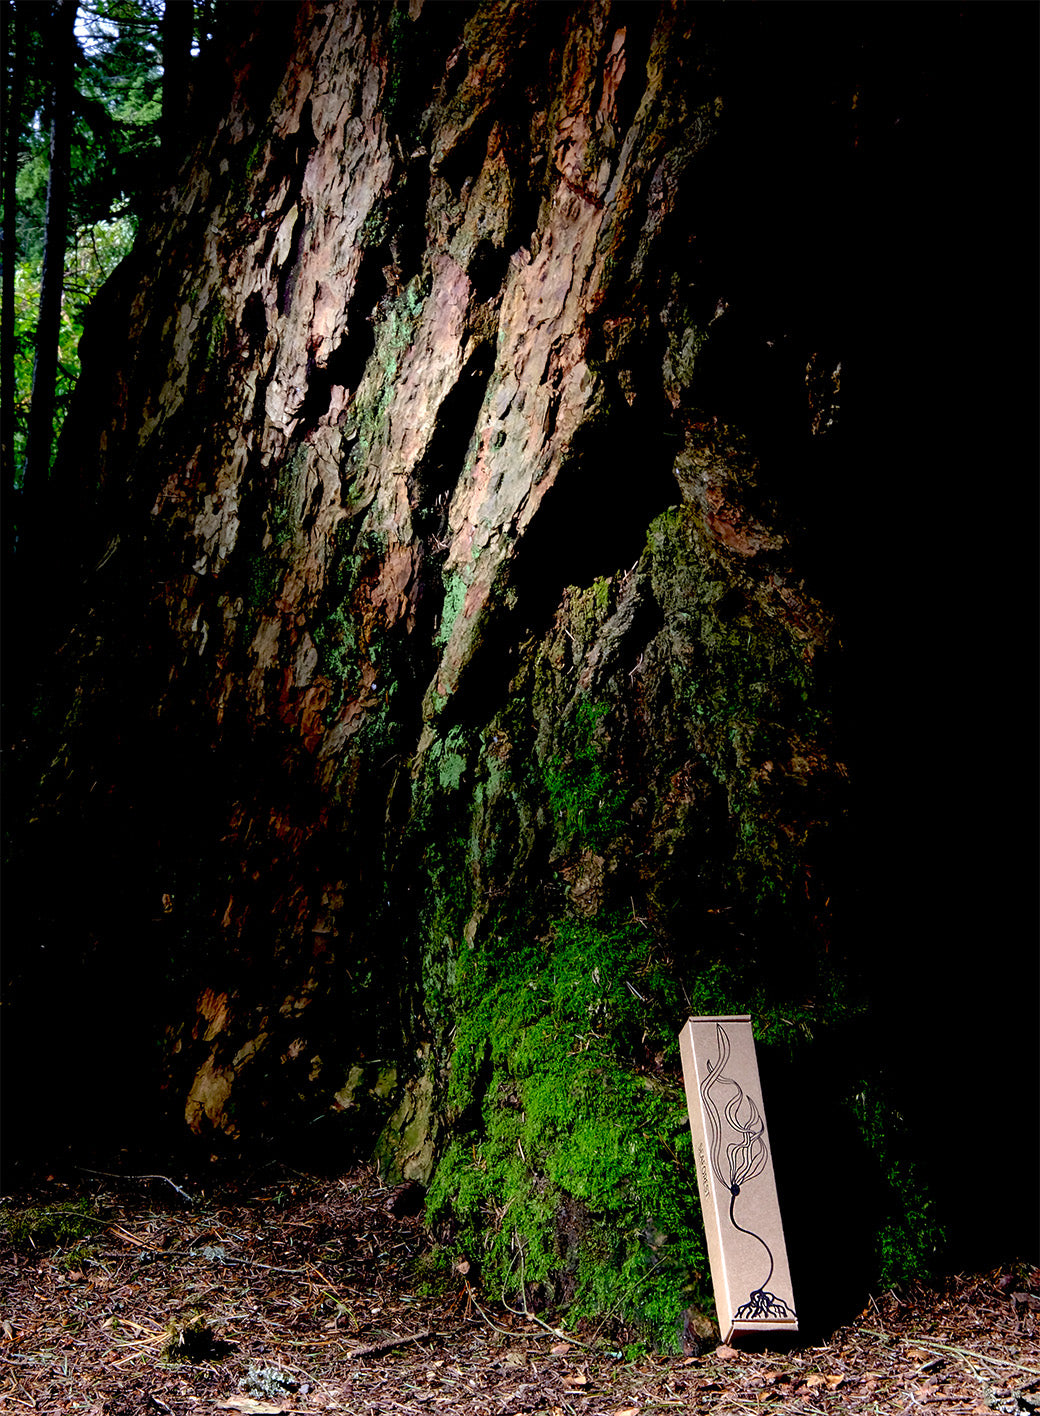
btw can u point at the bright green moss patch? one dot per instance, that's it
(568, 1179)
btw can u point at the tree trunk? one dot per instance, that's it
(13, 78)
(178, 29)
(45, 368)
(456, 699)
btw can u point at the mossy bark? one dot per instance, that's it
(450, 682)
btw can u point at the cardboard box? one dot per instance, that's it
(746, 1247)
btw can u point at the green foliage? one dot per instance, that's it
(93, 254)
(116, 108)
(117, 103)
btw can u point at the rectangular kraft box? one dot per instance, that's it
(746, 1249)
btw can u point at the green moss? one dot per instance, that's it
(394, 334)
(568, 1179)
(336, 642)
(399, 31)
(335, 631)
(48, 1227)
(263, 578)
(451, 759)
(217, 328)
(454, 600)
(434, 1274)
(569, 1175)
(285, 508)
(441, 920)
(399, 324)
(584, 798)
(194, 1341)
(909, 1235)
(741, 665)
(741, 679)
(570, 1168)
(375, 228)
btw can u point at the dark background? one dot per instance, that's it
(925, 528)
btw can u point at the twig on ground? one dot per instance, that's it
(526, 1313)
(504, 1332)
(246, 1263)
(114, 1175)
(533, 1318)
(390, 1342)
(935, 1345)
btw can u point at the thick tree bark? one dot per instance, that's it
(40, 437)
(453, 479)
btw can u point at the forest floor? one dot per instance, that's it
(297, 1294)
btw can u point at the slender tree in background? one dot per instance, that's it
(178, 29)
(478, 602)
(45, 368)
(113, 172)
(13, 75)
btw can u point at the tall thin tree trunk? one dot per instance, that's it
(13, 69)
(45, 368)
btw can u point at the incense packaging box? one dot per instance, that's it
(749, 1269)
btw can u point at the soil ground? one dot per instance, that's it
(298, 1294)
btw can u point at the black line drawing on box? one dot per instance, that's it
(745, 1159)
